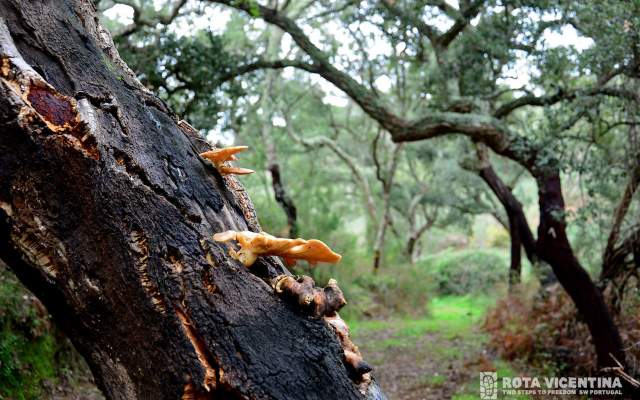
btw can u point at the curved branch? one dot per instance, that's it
(518, 224)
(265, 64)
(561, 95)
(139, 20)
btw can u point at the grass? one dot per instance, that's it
(450, 316)
(446, 334)
(435, 380)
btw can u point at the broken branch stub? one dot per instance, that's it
(252, 245)
(220, 158)
(319, 302)
(326, 302)
(357, 367)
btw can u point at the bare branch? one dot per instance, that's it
(264, 64)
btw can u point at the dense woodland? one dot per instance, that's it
(475, 163)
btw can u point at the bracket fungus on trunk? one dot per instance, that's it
(220, 158)
(301, 290)
(252, 245)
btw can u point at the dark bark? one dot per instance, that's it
(285, 201)
(411, 247)
(519, 231)
(106, 214)
(554, 248)
(376, 261)
(515, 267)
(615, 253)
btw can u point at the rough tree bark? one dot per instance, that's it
(106, 214)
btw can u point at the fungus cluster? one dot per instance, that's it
(221, 157)
(252, 245)
(300, 290)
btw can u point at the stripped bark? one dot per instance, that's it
(554, 248)
(518, 227)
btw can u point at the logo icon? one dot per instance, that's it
(488, 385)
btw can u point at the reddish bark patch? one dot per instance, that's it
(53, 108)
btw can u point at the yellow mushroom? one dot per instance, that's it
(253, 245)
(220, 157)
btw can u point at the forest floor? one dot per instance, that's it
(438, 356)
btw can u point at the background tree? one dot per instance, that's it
(458, 108)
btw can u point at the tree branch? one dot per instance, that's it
(139, 20)
(561, 95)
(461, 22)
(264, 64)
(609, 258)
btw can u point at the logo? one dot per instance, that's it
(488, 385)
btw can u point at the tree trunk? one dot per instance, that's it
(553, 247)
(519, 231)
(515, 268)
(106, 214)
(411, 248)
(285, 201)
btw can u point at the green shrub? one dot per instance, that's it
(466, 271)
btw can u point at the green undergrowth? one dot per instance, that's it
(448, 333)
(450, 317)
(35, 358)
(25, 364)
(404, 291)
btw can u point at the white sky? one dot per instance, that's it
(216, 19)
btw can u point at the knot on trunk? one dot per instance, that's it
(319, 302)
(325, 302)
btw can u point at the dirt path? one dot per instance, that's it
(438, 357)
(430, 367)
